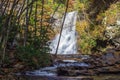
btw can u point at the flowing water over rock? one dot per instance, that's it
(68, 38)
(53, 70)
(92, 67)
(67, 47)
(51, 73)
(73, 66)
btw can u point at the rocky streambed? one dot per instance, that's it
(108, 62)
(105, 66)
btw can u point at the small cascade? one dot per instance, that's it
(68, 38)
(67, 46)
(53, 70)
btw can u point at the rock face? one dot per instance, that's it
(108, 62)
(112, 33)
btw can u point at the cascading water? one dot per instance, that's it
(68, 37)
(67, 46)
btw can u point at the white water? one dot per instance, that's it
(68, 38)
(52, 70)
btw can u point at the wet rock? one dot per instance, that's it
(74, 70)
(19, 66)
(82, 78)
(54, 78)
(110, 57)
(107, 62)
(112, 79)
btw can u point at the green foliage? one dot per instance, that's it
(60, 1)
(32, 57)
(32, 47)
(36, 51)
(90, 28)
(86, 43)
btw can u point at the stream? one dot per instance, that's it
(98, 77)
(72, 66)
(84, 69)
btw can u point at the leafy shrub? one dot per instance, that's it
(32, 57)
(86, 43)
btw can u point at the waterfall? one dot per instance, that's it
(68, 38)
